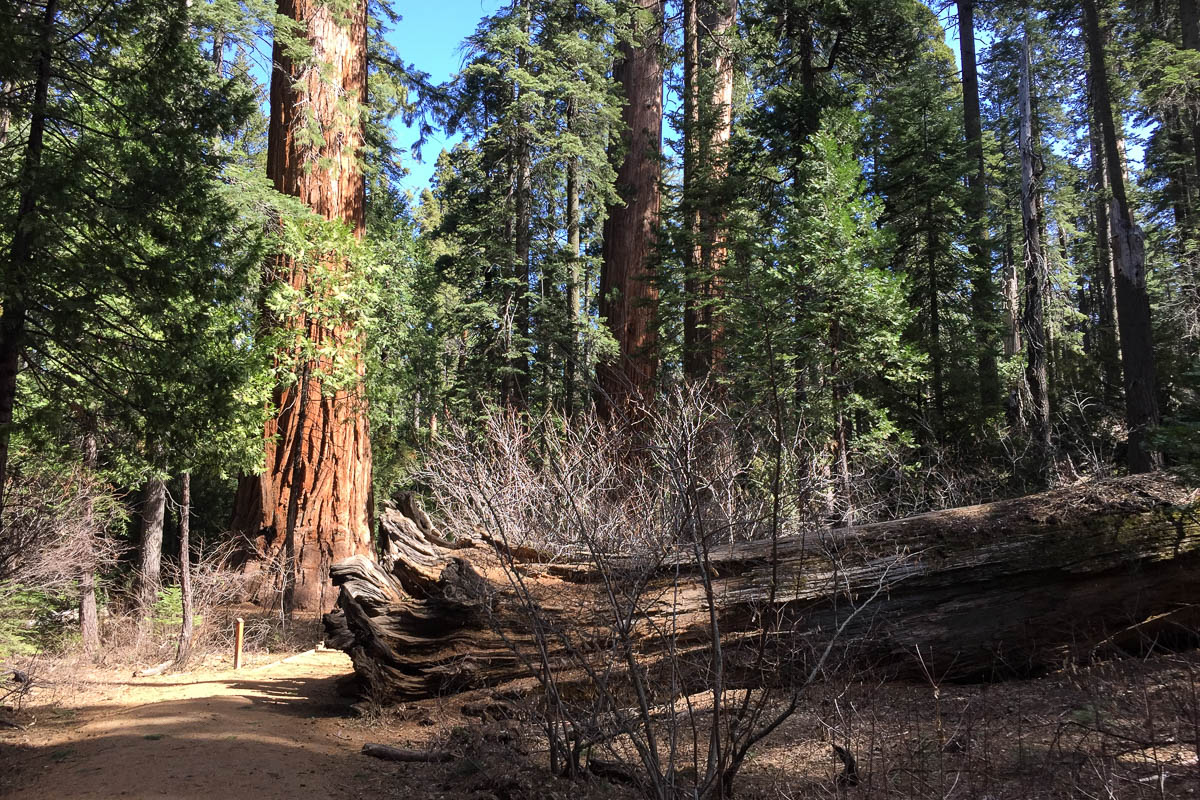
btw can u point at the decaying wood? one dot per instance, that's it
(388, 753)
(1014, 587)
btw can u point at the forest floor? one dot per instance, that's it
(1124, 729)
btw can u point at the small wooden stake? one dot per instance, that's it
(237, 643)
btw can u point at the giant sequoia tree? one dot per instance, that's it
(628, 294)
(311, 505)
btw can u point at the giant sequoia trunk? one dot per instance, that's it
(311, 507)
(628, 294)
(1014, 587)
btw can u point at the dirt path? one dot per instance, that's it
(278, 731)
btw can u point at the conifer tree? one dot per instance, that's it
(1128, 249)
(311, 505)
(628, 292)
(140, 248)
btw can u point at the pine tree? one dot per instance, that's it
(918, 166)
(141, 252)
(1128, 249)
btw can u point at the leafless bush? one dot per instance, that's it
(641, 680)
(58, 525)
(215, 587)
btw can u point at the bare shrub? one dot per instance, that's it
(639, 682)
(60, 543)
(216, 587)
(58, 525)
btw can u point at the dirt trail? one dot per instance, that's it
(269, 732)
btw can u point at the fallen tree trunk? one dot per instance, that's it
(406, 755)
(1008, 588)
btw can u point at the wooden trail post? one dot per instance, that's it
(237, 643)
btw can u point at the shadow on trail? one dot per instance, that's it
(254, 739)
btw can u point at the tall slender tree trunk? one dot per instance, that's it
(1012, 296)
(574, 242)
(318, 452)
(183, 652)
(983, 304)
(1188, 215)
(628, 294)
(935, 323)
(149, 576)
(1133, 303)
(1107, 345)
(1033, 320)
(841, 421)
(89, 618)
(523, 239)
(13, 314)
(1189, 18)
(694, 361)
(720, 21)
(708, 126)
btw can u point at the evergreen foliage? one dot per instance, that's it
(849, 266)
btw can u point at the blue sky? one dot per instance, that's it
(429, 37)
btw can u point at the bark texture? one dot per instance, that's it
(89, 618)
(311, 507)
(1033, 320)
(1008, 588)
(1189, 19)
(575, 311)
(1107, 345)
(983, 311)
(628, 295)
(149, 577)
(708, 110)
(1129, 260)
(184, 651)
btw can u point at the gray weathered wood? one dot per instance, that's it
(1014, 587)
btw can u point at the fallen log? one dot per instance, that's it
(1008, 588)
(406, 755)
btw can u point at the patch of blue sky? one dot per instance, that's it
(431, 34)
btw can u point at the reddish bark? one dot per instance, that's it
(311, 507)
(720, 20)
(628, 294)
(706, 135)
